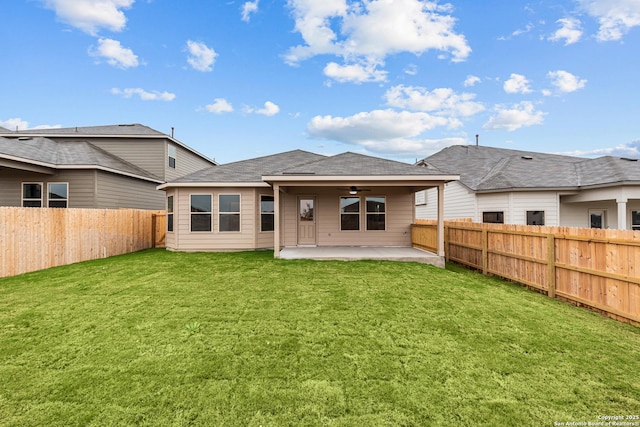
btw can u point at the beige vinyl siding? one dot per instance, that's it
(459, 202)
(11, 185)
(214, 240)
(186, 162)
(117, 191)
(399, 216)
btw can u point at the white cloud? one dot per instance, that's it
(441, 101)
(91, 15)
(383, 131)
(519, 115)
(269, 109)
(565, 82)
(248, 8)
(630, 150)
(471, 80)
(115, 54)
(219, 106)
(366, 32)
(616, 17)
(143, 94)
(570, 31)
(354, 73)
(201, 57)
(19, 124)
(517, 83)
(411, 69)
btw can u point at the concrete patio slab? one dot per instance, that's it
(352, 253)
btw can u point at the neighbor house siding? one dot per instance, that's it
(522, 202)
(115, 191)
(460, 202)
(494, 202)
(81, 187)
(577, 214)
(213, 240)
(399, 216)
(148, 154)
(186, 162)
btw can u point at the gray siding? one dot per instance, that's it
(81, 186)
(186, 162)
(117, 191)
(459, 202)
(148, 154)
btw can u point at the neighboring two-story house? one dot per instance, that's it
(523, 187)
(116, 166)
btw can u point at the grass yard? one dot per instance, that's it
(158, 338)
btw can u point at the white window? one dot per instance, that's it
(635, 220)
(172, 156)
(31, 194)
(493, 217)
(170, 213)
(201, 212)
(229, 212)
(376, 213)
(349, 213)
(535, 217)
(267, 213)
(58, 194)
(597, 218)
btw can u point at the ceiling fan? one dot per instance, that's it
(353, 189)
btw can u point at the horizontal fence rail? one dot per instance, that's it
(38, 238)
(592, 267)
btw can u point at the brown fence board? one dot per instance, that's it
(38, 238)
(592, 267)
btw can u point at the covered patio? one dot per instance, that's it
(353, 253)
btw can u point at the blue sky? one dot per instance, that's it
(399, 79)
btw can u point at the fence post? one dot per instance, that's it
(485, 250)
(551, 265)
(154, 225)
(446, 243)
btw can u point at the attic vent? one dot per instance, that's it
(24, 138)
(527, 157)
(298, 173)
(629, 159)
(127, 125)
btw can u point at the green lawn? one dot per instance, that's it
(159, 338)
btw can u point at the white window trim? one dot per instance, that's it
(198, 213)
(172, 213)
(239, 213)
(57, 200)
(340, 213)
(42, 193)
(544, 214)
(172, 148)
(260, 196)
(366, 213)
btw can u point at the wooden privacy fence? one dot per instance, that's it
(591, 267)
(38, 238)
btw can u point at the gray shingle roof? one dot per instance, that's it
(61, 154)
(107, 130)
(357, 164)
(251, 170)
(488, 168)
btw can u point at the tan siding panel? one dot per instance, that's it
(81, 186)
(186, 163)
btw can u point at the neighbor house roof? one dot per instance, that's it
(303, 165)
(496, 169)
(133, 131)
(68, 155)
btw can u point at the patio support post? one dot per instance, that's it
(441, 219)
(622, 214)
(276, 221)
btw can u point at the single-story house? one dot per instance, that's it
(117, 166)
(297, 199)
(530, 188)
